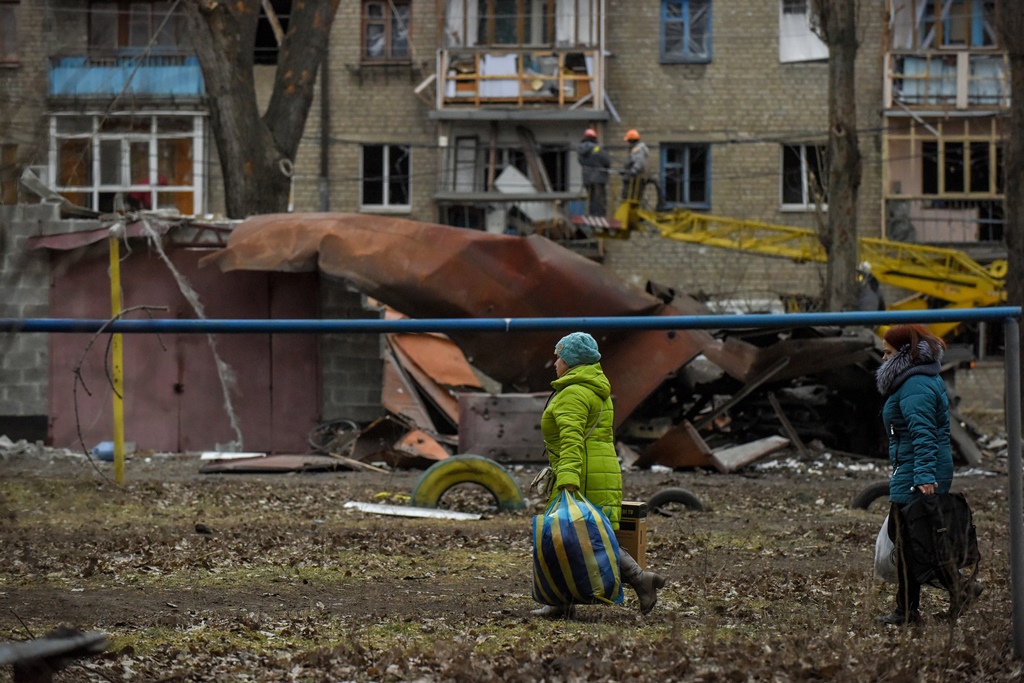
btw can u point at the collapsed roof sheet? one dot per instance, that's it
(433, 271)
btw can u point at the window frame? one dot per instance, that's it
(91, 143)
(10, 56)
(388, 20)
(387, 206)
(124, 24)
(685, 166)
(807, 203)
(686, 20)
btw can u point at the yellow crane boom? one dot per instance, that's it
(933, 274)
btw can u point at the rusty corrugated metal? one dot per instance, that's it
(439, 358)
(426, 270)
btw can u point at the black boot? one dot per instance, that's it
(646, 584)
(900, 617)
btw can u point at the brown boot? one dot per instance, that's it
(646, 584)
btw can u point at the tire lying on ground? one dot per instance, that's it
(867, 496)
(467, 469)
(666, 497)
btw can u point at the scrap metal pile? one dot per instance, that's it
(682, 398)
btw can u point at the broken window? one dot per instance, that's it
(797, 40)
(804, 176)
(385, 177)
(124, 26)
(268, 28)
(8, 32)
(960, 167)
(686, 169)
(151, 161)
(386, 30)
(515, 22)
(686, 31)
(944, 24)
(565, 23)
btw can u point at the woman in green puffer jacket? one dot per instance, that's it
(916, 418)
(578, 426)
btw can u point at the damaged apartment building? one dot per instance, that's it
(465, 113)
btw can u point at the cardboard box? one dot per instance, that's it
(632, 533)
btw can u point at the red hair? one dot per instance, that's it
(899, 336)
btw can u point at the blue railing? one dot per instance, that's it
(103, 76)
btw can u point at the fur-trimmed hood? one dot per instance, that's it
(895, 371)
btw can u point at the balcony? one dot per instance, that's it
(962, 80)
(551, 83)
(164, 75)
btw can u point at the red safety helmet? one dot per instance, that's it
(632, 134)
(590, 133)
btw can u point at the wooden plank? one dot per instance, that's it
(744, 392)
(787, 425)
(732, 458)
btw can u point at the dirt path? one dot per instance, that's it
(772, 582)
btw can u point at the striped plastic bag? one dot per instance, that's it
(575, 554)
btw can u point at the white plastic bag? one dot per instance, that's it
(885, 555)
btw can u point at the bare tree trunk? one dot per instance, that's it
(838, 26)
(257, 153)
(1012, 25)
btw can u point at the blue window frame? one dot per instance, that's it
(686, 31)
(686, 173)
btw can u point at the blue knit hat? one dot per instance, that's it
(578, 348)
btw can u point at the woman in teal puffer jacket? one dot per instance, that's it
(578, 427)
(916, 418)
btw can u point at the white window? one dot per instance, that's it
(804, 176)
(797, 40)
(152, 161)
(385, 177)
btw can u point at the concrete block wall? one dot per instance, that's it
(351, 364)
(24, 358)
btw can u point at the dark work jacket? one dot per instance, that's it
(595, 162)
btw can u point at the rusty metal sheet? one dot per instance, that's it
(503, 427)
(426, 271)
(419, 444)
(381, 439)
(681, 446)
(400, 397)
(445, 400)
(439, 358)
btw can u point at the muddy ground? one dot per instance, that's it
(772, 582)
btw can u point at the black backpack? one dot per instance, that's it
(941, 537)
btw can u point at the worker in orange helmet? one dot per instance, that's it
(635, 171)
(595, 163)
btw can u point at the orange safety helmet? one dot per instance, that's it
(632, 134)
(590, 133)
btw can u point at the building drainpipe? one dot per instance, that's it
(325, 134)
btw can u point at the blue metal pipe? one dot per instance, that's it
(678, 322)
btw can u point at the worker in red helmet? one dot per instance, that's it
(635, 171)
(595, 163)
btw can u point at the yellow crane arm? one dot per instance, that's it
(946, 274)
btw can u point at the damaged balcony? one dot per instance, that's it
(963, 80)
(539, 58)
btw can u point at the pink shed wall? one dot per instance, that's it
(173, 398)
